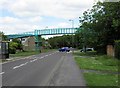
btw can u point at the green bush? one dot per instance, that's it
(101, 49)
(117, 49)
(12, 47)
(12, 50)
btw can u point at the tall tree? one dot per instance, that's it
(61, 41)
(2, 36)
(102, 21)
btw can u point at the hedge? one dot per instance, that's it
(117, 49)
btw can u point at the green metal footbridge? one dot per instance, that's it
(39, 32)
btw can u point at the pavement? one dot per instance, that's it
(68, 73)
(46, 69)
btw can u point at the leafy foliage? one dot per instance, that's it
(100, 25)
(117, 49)
(3, 37)
(14, 45)
(61, 41)
(18, 43)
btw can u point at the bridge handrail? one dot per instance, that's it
(45, 32)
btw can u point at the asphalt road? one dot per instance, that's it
(37, 70)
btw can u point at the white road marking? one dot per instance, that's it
(2, 73)
(46, 55)
(33, 60)
(30, 61)
(15, 67)
(20, 65)
(22, 58)
(25, 63)
(50, 54)
(18, 59)
(41, 57)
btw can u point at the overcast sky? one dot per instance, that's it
(17, 16)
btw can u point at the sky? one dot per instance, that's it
(18, 16)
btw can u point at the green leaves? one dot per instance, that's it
(3, 37)
(61, 41)
(101, 24)
(15, 44)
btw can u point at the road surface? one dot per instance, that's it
(46, 69)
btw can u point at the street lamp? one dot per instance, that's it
(72, 34)
(72, 23)
(46, 27)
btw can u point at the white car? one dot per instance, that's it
(87, 49)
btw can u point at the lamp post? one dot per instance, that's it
(72, 23)
(72, 34)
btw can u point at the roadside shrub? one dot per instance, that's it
(12, 50)
(12, 47)
(117, 49)
(101, 49)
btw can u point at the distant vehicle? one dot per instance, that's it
(87, 49)
(64, 49)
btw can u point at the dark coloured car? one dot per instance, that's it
(64, 49)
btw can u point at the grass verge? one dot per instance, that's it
(100, 63)
(29, 53)
(97, 63)
(25, 53)
(90, 53)
(94, 79)
(18, 55)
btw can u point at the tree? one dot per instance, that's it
(61, 41)
(3, 37)
(12, 47)
(19, 44)
(102, 21)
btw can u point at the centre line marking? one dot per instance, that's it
(26, 63)
(20, 65)
(33, 60)
(15, 67)
(2, 73)
(46, 55)
(41, 57)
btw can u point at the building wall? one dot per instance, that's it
(28, 43)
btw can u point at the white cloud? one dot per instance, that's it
(28, 13)
(8, 20)
(13, 20)
(63, 24)
(35, 19)
(19, 28)
(11, 25)
(56, 8)
(60, 25)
